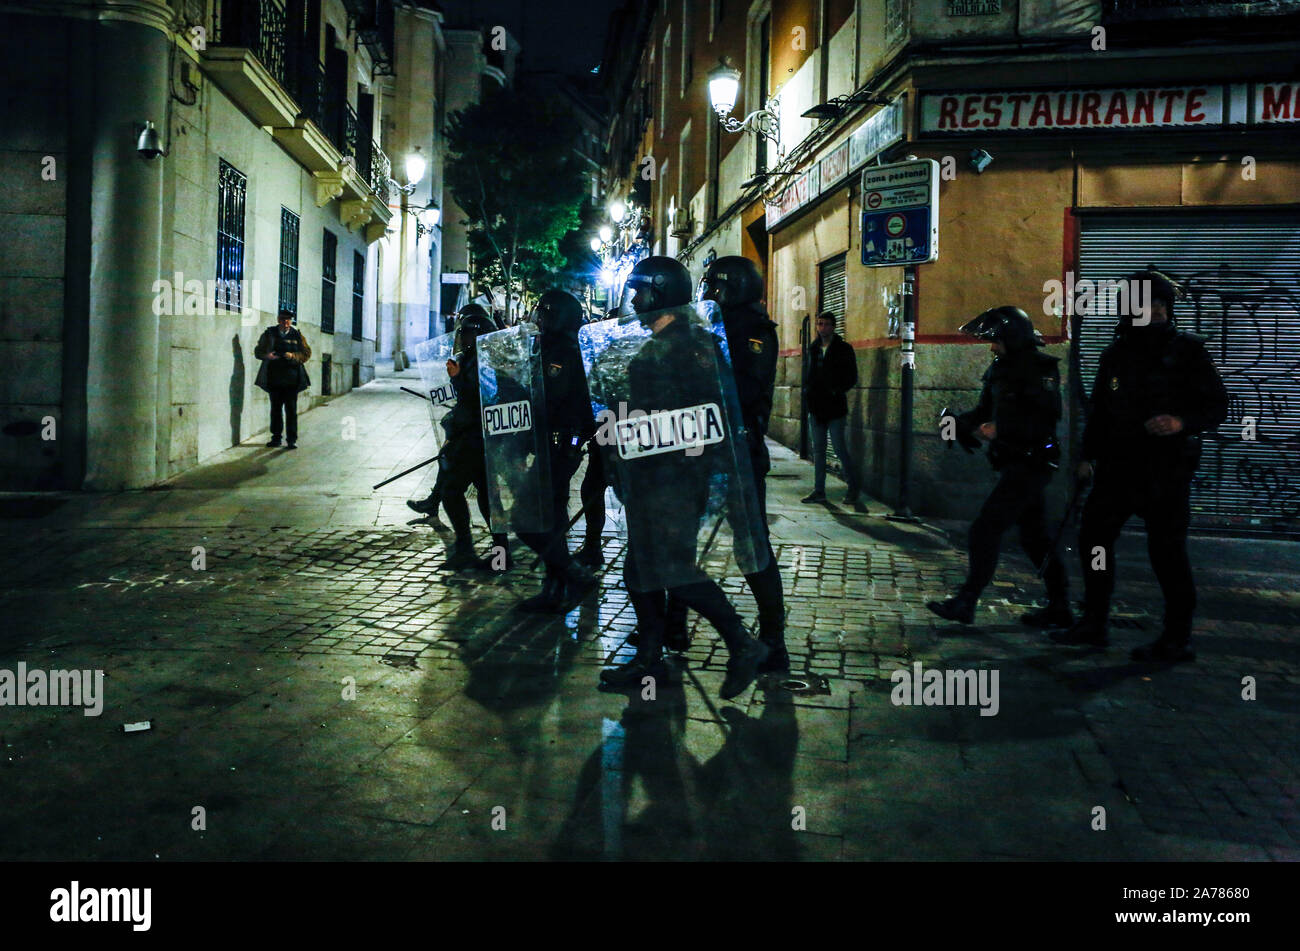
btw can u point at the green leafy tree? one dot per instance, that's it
(512, 169)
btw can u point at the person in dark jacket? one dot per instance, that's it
(283, 350)
(831, 372)
(1017, 414)
(1155, 392)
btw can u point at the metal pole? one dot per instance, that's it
(904, 509)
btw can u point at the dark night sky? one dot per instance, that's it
(567, 35)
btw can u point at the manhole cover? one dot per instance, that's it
(804, 682)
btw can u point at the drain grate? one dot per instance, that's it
(805, 682)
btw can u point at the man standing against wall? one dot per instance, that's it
(283, 350)
(831, 372)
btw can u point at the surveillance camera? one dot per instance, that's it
(980, 160)
(148, 144)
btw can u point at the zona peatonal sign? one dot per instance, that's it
(1130, 107)
(900, 213)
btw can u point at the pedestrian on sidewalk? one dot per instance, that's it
(1017, 414)
(283, 350)
(1156, 392)
(830, 372)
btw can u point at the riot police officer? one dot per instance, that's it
(462, 458)
(666, 501)
(736, 286)
(1018, 410)
(1155, 392)
(569, 426)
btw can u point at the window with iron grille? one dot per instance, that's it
(831, 288)
(358, 291)
(289, 261)
(232, 191)
(329, 273)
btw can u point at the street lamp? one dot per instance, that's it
(617, 212)
(415, 168)
(606, 234)
(596, 245)
(724, 86)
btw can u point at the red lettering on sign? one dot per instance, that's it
(1169, 95)
(1042, 107)
(968, 120)
(1019, 99)
(1073, 117)
(1118, 109)
(948, 112)
(1194, 102)
(1277, 103)
(1091, 103)
(991, 107)
(1146, 102)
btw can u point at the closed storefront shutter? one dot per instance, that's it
(831, 290)
(1241, 271)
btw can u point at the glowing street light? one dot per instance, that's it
(617, 212)
(606, 234)
(724, 87)
(596, 245)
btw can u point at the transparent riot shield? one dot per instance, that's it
(431, 358)
(669, 425)
(515, 437)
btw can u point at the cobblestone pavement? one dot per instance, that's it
(322, 689)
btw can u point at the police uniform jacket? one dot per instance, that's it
(751, 340)
(1152, 371)
(568, 404)
(1022, 398)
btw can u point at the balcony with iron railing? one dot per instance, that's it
(252, 58)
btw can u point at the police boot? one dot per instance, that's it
(590, 553)
(1164, 649)
(778, 659)
(960, 608)
(461, 556)
(1089, 631)
(576, 582)
(550, 599)
(646, 663)
(747, 655)
(1056, 614)
(426, 506)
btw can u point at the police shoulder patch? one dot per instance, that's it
(755, 345)
(554, 369)
(1114, 383)
(1050, 382)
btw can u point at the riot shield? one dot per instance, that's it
(515, 437)
(431, 358)
(669, 424)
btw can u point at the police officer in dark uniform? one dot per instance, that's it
(736, 286)
(462, 456)
(1156, 391)
(570, 425)
(1017, 414)
(674, 487)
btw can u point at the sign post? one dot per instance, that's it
(900, 226)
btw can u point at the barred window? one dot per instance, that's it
(289, 261)
(328, 278)
(358, 291)
(232, 191)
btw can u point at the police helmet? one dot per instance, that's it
(1155, 285)
(473, 322)
(1007, 325)
(558, 313)
(732, 281)
(659, 282)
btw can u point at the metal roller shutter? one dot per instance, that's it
(831, 284)
(1242, 274)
